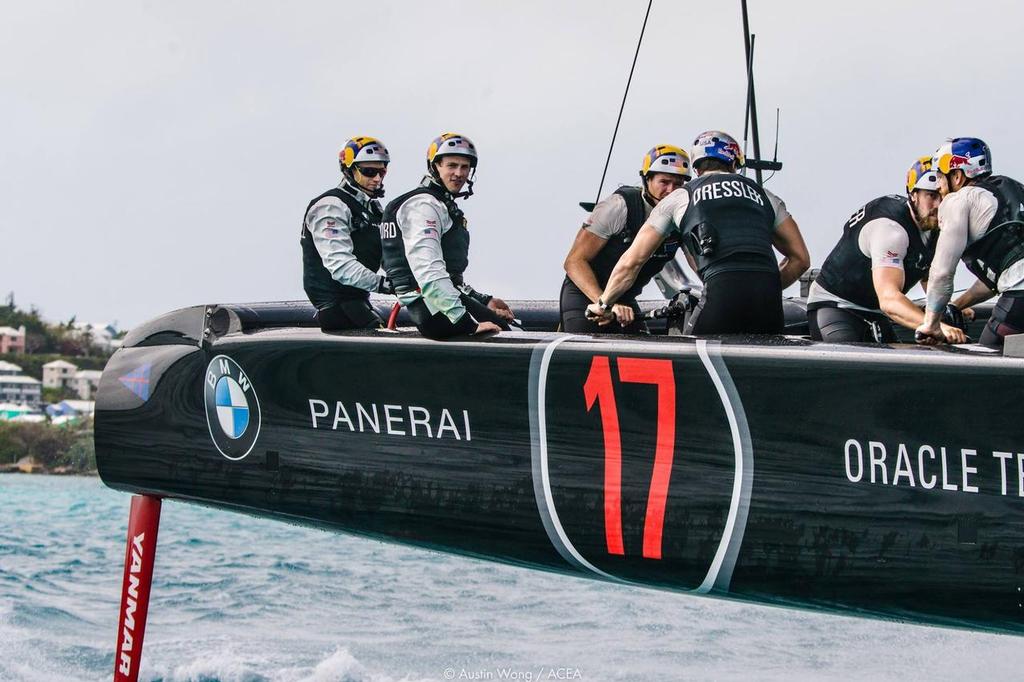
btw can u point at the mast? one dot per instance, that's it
(750, 116)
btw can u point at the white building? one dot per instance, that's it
(21, 389)
(86, 382)
(9, 368)
(99, 335)
(59, 374)
(85, 408)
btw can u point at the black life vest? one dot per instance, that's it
(728, 225)
(321, 288)
(605, 260)
(454, 242)
(847, 271)
(1002, 245)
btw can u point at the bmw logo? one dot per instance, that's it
(232, 408)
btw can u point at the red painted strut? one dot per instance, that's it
(143, 522)
(393, 318)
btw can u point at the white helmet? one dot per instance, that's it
(451, 144)
(714, 144)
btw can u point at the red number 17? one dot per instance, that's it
(599, 388)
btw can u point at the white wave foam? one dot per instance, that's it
(342, 666)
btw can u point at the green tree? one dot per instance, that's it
(51, 446)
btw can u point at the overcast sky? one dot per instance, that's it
(160, 154)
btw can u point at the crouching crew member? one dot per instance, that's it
(886, 249)
(981, 219)
(605, 236)
(426, 247)
(341, 251)
(728, 225)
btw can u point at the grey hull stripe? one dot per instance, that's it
(720, 573)
(539, 363)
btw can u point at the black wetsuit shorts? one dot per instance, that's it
(348, 314)
(739, 302)
(1007, 319)
(836, 325)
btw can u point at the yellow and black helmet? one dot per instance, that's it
(922, 176)
(362, 150)
(666, 159)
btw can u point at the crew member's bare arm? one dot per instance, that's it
(626, 270)
(577, 263)
(888, 284)
(977, 293)
(790, 243)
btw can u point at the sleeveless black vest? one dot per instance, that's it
(454, 242)
(1002, 245)
(847, 271)
(728, 225)
(321, 288)
(605, 260)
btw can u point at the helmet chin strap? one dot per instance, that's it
(468, 192)
(648, 197)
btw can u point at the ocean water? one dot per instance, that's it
(239, 599)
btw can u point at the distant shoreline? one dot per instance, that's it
(14, 469)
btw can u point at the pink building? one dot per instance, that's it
(12, 340)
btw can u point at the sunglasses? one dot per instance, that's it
(371, 172)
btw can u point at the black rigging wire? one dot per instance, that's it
(623, 105)
(775, 154)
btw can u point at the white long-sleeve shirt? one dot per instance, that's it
(330, 222)
(964, 216)
(423, 220)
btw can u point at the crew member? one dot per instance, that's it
(426, 247)
(728, 225)
(340, 240)
(886, 248)
(981, 220)
(605, 236)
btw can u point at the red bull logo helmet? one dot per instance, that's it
(968, 154)
(921, 176)
(666, 159)
(714, 144)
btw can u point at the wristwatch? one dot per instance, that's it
(602, 305)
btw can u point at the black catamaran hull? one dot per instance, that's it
(872, 481)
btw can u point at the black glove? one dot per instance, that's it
(384, 285)
(483, 299)
(954, 317)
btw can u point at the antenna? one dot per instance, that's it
(586, 205)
